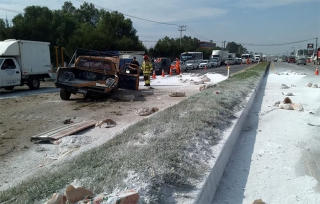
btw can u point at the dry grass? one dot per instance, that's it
(161, 154)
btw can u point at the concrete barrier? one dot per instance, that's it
(209, 188)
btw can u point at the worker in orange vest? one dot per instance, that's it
(177, 66)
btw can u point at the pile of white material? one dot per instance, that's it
(287, 104)
(309, 84)
(289, 72)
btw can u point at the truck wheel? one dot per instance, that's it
(34, 83)
(65, 94)
(9, 88)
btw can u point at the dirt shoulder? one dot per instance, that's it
(23, 117)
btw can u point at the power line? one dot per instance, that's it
(171, 24)
(5, 9)
(198, 34)
(278, 44)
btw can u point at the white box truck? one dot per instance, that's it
(221, 54)
(23, 62)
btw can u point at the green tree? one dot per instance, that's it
(232, 47)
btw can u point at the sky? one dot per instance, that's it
(265, 26)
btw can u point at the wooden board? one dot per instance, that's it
(63, 131)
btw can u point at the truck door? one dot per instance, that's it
(128, 81)
(10, 74)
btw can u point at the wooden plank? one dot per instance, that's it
(63, 131)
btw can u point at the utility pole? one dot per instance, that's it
(181, 28)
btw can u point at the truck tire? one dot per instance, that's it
(65, 94)
(34, 83)
(9, 88)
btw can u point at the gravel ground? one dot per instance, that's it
(23, 117)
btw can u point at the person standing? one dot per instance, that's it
(134, 69)
(177, 66)
(146, 69)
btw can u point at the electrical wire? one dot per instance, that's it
(278, 44)
(171, 24)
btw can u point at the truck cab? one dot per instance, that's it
(95, 75)
(10, 74)
(23, 62)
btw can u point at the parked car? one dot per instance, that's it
(191, 64)
(203, 63)
(230, 61)
(238, 60)
(292, 59)
(301, 61)
(162, 63)
(213, 62)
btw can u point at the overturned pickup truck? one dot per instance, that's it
(96, 74)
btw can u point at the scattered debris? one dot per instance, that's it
(147, 111)
(258, 201)
(315, 86)
(287, 94)
(277, 103)
(283, 86)
(313, 125)
(289, 72)
(67, 121)
(288, 105)
(81, 195)
(287, 100)
(107, 123)
(216, 92)
(194, 83)
(297, 107)
(205, 78)
(292, 85)
(311, 112)
(57, 133)
(57, 198)
(285, 106)
(309, 84)
(207, 86)
(177, 94)
(77, 194)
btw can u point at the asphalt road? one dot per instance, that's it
(48, 87)
(222, 70)
(18, 91)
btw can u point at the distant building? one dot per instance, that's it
(207, 45)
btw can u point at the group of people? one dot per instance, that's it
(147, 68)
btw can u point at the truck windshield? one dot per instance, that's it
(1, 60)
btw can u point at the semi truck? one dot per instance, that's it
(23, 62)
(221, 54)
(258, 57)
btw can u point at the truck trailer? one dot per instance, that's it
(23, 62)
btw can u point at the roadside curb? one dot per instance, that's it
(211, 184)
